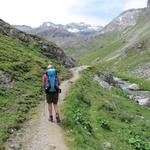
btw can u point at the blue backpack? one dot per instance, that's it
(51, 81)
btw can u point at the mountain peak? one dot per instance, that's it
(48, 24)
(125, 19)
(71, 27)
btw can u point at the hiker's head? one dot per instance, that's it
(50, 66)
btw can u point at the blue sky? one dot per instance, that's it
(103, 11)
(35, 12)
(99, 10)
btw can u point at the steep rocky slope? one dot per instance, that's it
(46, 47)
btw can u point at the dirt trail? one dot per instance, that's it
(39, 133)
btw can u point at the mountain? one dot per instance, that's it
(70, 36)
(121, 30)
(48, 48)
(24, 28)
(75, 36)
(121, 52)
(23, 58)
(124, 20)
(79, 28)
(61, 37)
(126, 50)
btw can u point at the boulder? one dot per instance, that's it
(134, 87)
(52, 147)
(144, 101)
(107, 145)
(5, 79)
(103, 83)
(15, 147)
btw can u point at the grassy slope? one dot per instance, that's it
(93, 116)
(132, 57)
(25, 64)
(100, 46)
(109, 43)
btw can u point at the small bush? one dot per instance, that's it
(83, 121)
(138, 143)
(105, 124)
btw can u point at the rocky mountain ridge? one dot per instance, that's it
(71, 40)
(68, 37)
(23, 27)
(124, 20)
(47, 48)
(71, 27)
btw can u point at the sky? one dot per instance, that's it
(35, 12)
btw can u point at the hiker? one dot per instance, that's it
(51, 82)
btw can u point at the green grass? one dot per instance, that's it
(93, 116)
(103, 52)
(104, 45)
(101, 46)
(25, 63)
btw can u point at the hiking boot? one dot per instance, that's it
(58, 118)
(51, 118)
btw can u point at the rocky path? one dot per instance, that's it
(39, 133)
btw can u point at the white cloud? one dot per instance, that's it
(134, 4)
(35, 12)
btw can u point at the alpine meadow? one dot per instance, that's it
(105, 73)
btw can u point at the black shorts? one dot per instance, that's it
(52, 97)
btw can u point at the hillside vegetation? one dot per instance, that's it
(94, 118)
(98, 119)
(120, 44)
(21, 68)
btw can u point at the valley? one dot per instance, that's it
(106, 107)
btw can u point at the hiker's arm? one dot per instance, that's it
(59, 79)
(43, 84)
(43, 81)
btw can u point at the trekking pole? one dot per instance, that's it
(44, 104)
(44, 108)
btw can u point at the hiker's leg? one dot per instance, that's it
(50, 112)
(56, 108)
(50, 109)
(55, 101)
(57, 113)
(49, 101)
